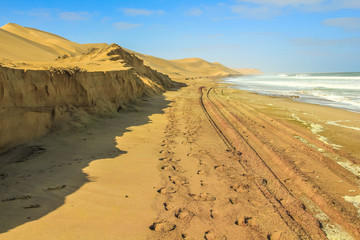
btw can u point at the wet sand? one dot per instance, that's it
(202, 162)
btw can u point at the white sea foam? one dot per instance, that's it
(316, 129)
(336, 123)
(355, 200)
(340, 90)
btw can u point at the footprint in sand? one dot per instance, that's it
(209, 235)
(202, 197)
(234, 200)
(203, 183)
(245, 221)
(178, 169)
(165, 167)
(214, 213)
(178, 180)
(219, 167)
(183, 213)
(274, 236)
(168, 207)
(166, 190)
(240, 188)
(162, 226)
(23, 197)
(32, 206)
(58, 187)
(174, 160)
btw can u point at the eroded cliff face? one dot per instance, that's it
(32, 102)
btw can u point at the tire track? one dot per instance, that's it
(288, 207)
(325, 201)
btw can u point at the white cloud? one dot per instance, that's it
(307, 5)
(257, 12)
(347, 23)
(44, 13)
(143, 12)
(105, 19)
(194, 12)
(126, 25)
(347, 3)
(284, 2)
(316, 42)
(74, 16)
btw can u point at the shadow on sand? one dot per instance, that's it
(36, 178)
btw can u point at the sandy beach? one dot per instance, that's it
(202, 161)
(101, 142)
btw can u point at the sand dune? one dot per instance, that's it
(29, 44)
(12, 47)
(188, 67)
(32, 45)
(248, 71)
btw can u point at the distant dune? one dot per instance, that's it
(188, 67)
(249, 71)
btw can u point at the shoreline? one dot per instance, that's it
(181, 180)
(309, 90)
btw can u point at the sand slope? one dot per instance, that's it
(248, 71)
(29, 44)
(188, 67)
(32, 45)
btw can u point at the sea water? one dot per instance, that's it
(339, 90)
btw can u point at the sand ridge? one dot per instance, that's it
(29, 44)
(188, 67)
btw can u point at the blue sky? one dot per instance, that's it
(272, 35)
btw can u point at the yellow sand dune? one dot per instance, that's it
(188, 67)
(29, 44)
(19, 43)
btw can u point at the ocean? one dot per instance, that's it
(338, 90)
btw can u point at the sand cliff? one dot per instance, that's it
(36, 97)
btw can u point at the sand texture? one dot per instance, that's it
(99, 144)
(206, 162)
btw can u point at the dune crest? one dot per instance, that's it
(30, 44)
(19, 43)
(187, 67)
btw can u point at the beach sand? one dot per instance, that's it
(201, 162)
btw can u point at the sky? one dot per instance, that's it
(275, 36)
